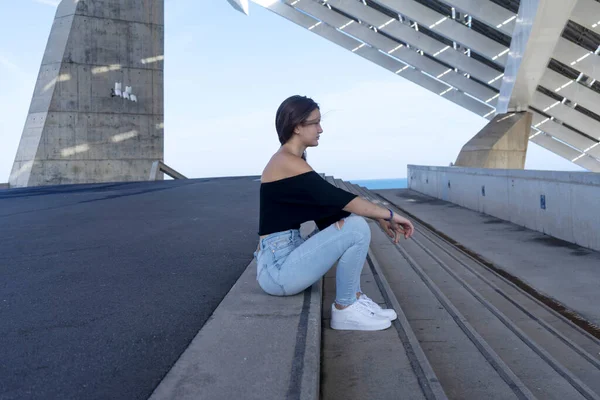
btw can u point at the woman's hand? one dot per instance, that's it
(387, 227)
(401, 225)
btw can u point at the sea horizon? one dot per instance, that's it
(398, 183)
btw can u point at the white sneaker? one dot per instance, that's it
(357, 317)
(388, 313)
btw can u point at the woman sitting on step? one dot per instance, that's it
(291, 193)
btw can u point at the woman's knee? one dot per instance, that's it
(359, 225)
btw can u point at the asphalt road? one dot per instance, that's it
(102, 287)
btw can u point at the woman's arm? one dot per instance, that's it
(397, 227)
(367, 209)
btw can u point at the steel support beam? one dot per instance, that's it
(561, 132)
(537, 31)
(240, 5)
(572, 90)
(396, 50)
(373, 54)
(566, 114)
(587, 13)
(487, 12)
(578, 58)
(427, 44)
(447, 27)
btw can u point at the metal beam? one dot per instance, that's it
(577, 57)
(397, 50)
(589, 163)
(572, 90)
(423, 80)
(537, 31)
(561, 132)
(566, 114)
(487, 12)
(447, 27)
(240, 5)
(398, 46)
(556, 147)
(587, 13)
(378, 57)
(427, 44)
(584, 160)
(594, 151)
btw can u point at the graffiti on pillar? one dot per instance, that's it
(126, 94)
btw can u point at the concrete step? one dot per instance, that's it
(451, 300)
(360, 191)
(254, 346)
(339, 183)
(330, 179)
(376, 365)
(461, 332)
(361, 365)
(536, 262)
(271, 346)
(465, 366)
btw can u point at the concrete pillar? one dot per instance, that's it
(502, 143)
(77, 130)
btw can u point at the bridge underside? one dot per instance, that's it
(463, 51)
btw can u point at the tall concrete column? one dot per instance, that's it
(502, 143)
(77, 130)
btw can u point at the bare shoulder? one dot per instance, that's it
(284, 165)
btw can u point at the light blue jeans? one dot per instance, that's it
(287, 264)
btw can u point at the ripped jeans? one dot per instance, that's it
(288, 264)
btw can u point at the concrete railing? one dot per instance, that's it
(159, 166)
(565, 205)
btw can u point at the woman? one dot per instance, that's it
(291, 193)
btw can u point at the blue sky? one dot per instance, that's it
(225, 76)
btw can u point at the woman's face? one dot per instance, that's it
(310, 130)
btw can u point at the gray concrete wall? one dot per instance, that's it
(572, 199)
(76, 132)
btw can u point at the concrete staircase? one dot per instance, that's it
(483, 337)
(463, 332)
